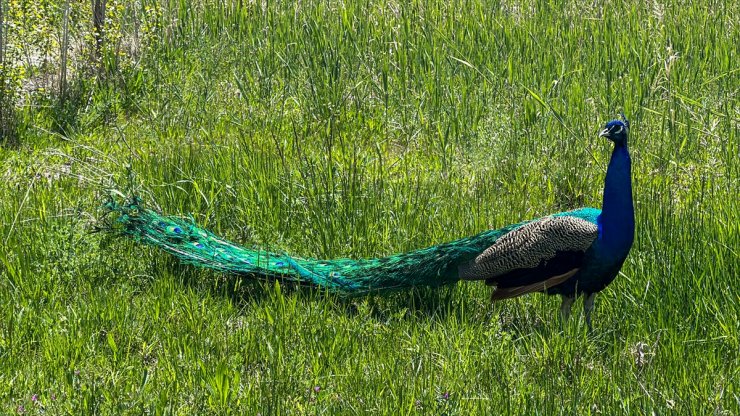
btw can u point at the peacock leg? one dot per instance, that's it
(566, 306)
(588, 306)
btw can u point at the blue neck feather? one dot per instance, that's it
(617, 219)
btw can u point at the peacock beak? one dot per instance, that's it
(605, 133)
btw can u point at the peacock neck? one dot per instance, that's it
(617, 219)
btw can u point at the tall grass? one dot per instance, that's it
(361, 129)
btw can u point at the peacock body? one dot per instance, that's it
(568, 253)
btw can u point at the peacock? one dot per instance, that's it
(571, 253)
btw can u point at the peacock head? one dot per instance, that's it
(616, 130)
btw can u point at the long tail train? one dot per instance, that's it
(432, 266)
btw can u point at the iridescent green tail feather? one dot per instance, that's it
(433, 266)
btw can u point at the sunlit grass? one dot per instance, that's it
(361, 129)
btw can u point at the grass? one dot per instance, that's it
(362, 129)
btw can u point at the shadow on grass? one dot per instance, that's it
(433, 303)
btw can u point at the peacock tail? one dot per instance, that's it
(433, 266)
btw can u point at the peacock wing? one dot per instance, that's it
(538, 255)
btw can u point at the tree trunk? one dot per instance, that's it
(98, 25)
(63, 53)
(2, 39)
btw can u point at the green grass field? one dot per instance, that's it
(360, 129)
